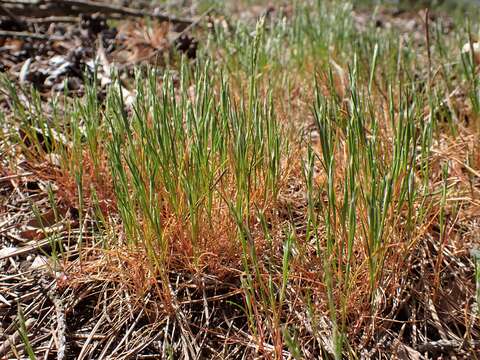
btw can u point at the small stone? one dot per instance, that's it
(467, 48)
(39, 262)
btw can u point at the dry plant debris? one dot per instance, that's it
(290, 182)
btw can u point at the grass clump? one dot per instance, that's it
(185, 155)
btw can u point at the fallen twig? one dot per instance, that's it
(45, 8)
(25, 249)
(28, 35)
(61, 325)
(441, 346)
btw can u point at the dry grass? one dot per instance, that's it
(353, 239)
